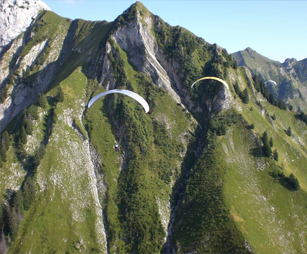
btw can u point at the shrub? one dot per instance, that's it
(294, 182)
(271, 142)
(275, 155)
(42, 101)
(289, 132)
(266, 145)
(60, 95)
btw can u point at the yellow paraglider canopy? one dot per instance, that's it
(218, 79)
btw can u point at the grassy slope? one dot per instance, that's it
(63, 216)
(271, 217)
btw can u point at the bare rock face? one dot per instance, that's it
(16, 16)
(137, 39)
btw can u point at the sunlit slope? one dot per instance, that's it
(290, 76)
(234, 182)
(66, 214)
(191, 176)
(270, 215)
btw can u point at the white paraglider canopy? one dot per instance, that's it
(131, 94)
(271, 81)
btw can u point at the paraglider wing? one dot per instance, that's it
(131, 94)
(272, 81)
(218, 79)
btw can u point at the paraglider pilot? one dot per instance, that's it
(117, 148)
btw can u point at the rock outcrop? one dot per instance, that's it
(16, 16)
(137, 38)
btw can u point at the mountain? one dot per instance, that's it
(209, 169)
(290, 76)
(16, 16)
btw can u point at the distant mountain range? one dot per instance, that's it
(290, 76)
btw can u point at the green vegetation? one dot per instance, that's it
(243, 95)
(275, 155)
(202, 213)
(3, 93)
(220, 182)
(42, 101)
(289, 131)
(266, 145)
(59, 96)
(260, 87)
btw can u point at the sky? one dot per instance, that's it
(275, 29)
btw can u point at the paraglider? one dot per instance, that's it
(131, 94)
(271, 81)
(218, 79)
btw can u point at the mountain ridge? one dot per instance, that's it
(290, 76)
(194, 175)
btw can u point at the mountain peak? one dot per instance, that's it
(16, 16)
(248, 49)
(139, 4)
(135, 11)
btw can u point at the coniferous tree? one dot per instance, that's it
(223, 129)
(265, 137)
(60, 95)
(256, 82)
(289, 132)
(4, 146)
(3, 152)
(282, 105)
(28, 192)
(303, 117)
(20, 150)
(275, 155)
(5, 141)
(23, 135)
(27, 123)
(3, 94)
(13, 223)
(39, 155)
(18, 201)
(234, 64)
(32, 112)
(271, 142)
(266, 145)
(294, 182)
(42, 101)
(245, 97)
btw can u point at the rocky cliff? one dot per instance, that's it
(16, 16)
